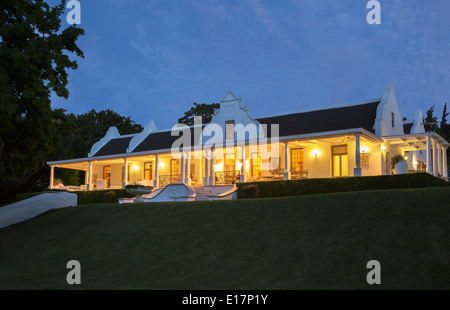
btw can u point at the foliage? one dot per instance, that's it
(34, 60)
(137, 186)
(109, 197)
(250, 191)
(206, 111)
(430, 122)
(335, 185)
(396, 159)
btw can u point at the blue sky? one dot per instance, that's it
(152, 59)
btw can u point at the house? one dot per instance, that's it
(356, 139)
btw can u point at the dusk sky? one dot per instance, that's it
(152, 59)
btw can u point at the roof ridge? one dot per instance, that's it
(377, 100)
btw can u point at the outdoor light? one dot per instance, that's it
(406, 157)
(364, 149)
(219, 167)
(315, 153)
(238, 165)
(161, 165)
(134, 168)
(383, 148)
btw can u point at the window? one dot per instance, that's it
(296, 160)
(256, 165)
(107, 175)
(340, 161)
(393, 119)
(175, 167)
(148, 171)
(229, 127)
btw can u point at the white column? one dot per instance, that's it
(440, 167)
(429, 161)
(125, 172)
(182, 168)
(212, 176)
(156, 180)
(52, 177)
(206, 178)
(435, 158)
(89, 184)
(287, 159)
(187, 176)
(444, 162)
(242, 175)
(357, 172)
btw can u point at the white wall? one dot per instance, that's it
(383, 122)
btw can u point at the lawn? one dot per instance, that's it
(308, 242)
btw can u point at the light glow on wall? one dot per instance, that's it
(383, 148)
(364, 149)
(316, 153)
(161, 165)
(134, 168)
(238, 165)
(218, 167)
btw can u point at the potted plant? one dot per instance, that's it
(138, 191)
(399, 164)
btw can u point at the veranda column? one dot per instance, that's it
(435, 158)
(212, 178)
(89, 185)
(440, 166)
(287, 159)
(156, 180)
(52, 177)
(242, 175)
(357, 172)
(429, 162)
(182, 168)
(125, 172)
(206, 178)
(187, 176)
(444, 162)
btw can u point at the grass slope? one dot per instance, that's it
(310, 242)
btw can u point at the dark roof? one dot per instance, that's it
(407, 128)
(114, 146)
(162, 140)
(349, 117)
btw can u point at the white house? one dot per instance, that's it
(351, 140)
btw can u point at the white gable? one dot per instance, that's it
(231, 109)
(389, 121)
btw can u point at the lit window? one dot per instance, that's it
(229, 127)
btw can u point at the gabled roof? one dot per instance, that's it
(332, 119)
(114, 146)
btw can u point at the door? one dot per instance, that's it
(340, 161)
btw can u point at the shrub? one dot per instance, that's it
(333, 185)
(109, 197)
(250, 191)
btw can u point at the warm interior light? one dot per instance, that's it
(364, 149)
(219, 167)
(316, 153)
(247, 164)
(238, 165)
(161, 165)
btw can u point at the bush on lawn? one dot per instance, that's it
(334, 185)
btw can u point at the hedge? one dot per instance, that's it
(333, 185)
(88, 197)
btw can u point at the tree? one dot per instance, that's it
(34, 60)
(430, 122)
(445, 128)
(206, 111)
